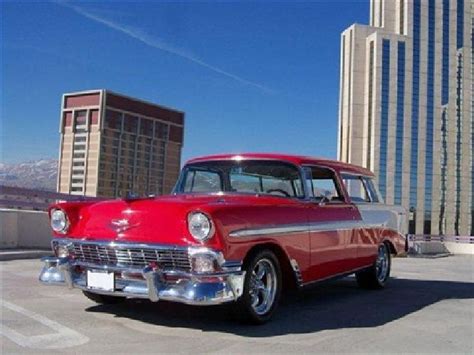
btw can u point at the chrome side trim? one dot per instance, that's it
(282, 229)
(304, 227)
(340, 225)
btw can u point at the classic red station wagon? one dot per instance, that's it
(237, 228)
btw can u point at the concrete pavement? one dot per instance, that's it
(428, 307)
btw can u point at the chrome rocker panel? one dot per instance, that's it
(190, 288)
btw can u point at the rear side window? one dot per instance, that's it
(361, 188)
(355, 188)
(371, 189)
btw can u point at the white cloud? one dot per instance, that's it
(160, 44)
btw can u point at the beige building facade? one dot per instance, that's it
(113, 145)
(406, 108)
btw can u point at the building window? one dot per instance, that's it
(146, 127)
(80, 118)
(400, 122)
(429, 118)
(460, 24)
(445, 69)
(130, 124)
(113, 120)
(161, 131)
(384, 116)
(415, 107)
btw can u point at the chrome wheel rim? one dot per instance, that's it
(381, 264)
(263, 285)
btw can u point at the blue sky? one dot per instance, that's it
(251, 76)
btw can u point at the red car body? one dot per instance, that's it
(312, 240)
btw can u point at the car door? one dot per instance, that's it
(331, 220)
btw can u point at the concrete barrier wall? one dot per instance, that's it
(24, 229)
(460, 248)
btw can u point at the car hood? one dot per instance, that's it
(157, 221)
(161, 220)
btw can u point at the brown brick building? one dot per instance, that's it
(112, 144)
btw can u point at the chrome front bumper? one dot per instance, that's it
(151, 283)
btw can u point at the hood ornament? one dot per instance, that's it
(121, 225)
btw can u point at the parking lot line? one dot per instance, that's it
(62, 337)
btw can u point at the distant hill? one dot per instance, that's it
(39, 174)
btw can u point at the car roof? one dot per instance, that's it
(339, 166)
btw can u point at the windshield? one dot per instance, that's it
(248, 176)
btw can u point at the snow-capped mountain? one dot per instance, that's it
(38, 174)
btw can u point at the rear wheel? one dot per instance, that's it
(103, 299)
(262, 288)
(378, 274)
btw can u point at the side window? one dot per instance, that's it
(322, 183)
(372, 190)
(267, 178)
(202, 181)
(355, 188)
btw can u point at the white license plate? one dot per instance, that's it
(100, 280)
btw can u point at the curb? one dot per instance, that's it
(8, 255)
(429, 256)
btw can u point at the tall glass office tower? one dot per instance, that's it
(406, 108)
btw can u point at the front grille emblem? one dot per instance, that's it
(121, 225)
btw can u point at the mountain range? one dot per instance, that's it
(38, 174)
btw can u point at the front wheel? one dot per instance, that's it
(378, 274)
(262, 288)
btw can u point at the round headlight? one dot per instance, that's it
(59, 221)
(200, 226)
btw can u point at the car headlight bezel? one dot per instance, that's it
(62, 248)
(200, 226)
(59, 221)
(205, 260)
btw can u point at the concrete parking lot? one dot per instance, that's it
(428, 307)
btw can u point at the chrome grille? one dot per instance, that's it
(103, 254)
